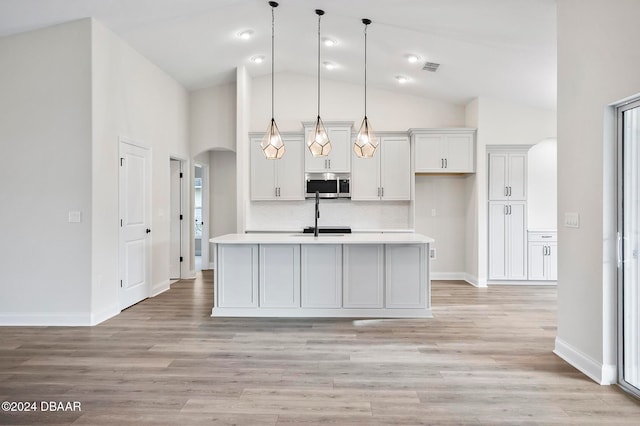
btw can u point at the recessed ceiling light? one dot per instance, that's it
(402, 79)
(329, 65)
(246, 34)
(329, 42)
(258, 59)
(412, 58)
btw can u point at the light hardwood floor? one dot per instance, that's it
(484, 359)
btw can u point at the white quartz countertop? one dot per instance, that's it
(299, 238)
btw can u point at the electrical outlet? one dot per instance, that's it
(432, 253)
(75, 216)
(572, 220)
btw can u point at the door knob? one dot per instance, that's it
(148, 231)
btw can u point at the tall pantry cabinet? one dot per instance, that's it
(508, 214)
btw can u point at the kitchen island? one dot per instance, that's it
(359, 275)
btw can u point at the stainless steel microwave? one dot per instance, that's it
(328, 185)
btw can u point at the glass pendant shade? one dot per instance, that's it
(272, 145)
(366, 141)
(318, 142)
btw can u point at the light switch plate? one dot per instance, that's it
(75, 217)
(572, 220)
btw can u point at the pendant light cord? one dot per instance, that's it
(272, 55)
(319, 17)
(365, 70)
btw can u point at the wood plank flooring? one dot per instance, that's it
(485, 359)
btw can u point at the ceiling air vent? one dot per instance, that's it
(430, 66)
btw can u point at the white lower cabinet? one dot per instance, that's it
(406, 276)
(363, 276)
(507, 240)
(279, 275)
(321, 276)
(238, 276)
(543, 256)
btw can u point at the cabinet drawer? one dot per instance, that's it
(542, 236)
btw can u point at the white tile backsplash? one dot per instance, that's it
(296, 215)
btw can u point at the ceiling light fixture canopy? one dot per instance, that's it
(272, 145)
(318, 142)
(366, 142)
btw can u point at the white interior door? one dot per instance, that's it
(135, 223)
(629, 231)
(176, 217)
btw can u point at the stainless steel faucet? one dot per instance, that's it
(315, 228)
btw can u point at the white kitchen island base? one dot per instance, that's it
(367, 275)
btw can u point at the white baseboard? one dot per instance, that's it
(112, 311)
(522, 282)
(457, 276)
(212, 266)
(45, 319)
(604, 374)
(475, 281)
(159, 288)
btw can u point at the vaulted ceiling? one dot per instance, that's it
(504, 49)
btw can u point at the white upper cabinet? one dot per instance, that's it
(507, 175)
(444, 150)
(386, 176)
(281, 179)
(338, 160)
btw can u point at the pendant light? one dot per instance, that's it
(318, 142)
(366, 141)
(272, 145)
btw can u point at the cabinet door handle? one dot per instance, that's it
(509, 210)
(329, 160)
(506, 209)
(382, 191)
(446, 163)
(506, 191)
(509, 191)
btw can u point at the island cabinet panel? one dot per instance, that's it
(406, 276)
(321, 276)
(238, 276)
(279, 275)
(363, 276)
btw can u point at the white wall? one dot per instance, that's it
(598, 65)
(499, 123)
(133, 99)
(45, 138)
(296, 101)
(542, 193)
(223, 191)
(212, 118)
(68, 94)
(445, 195)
